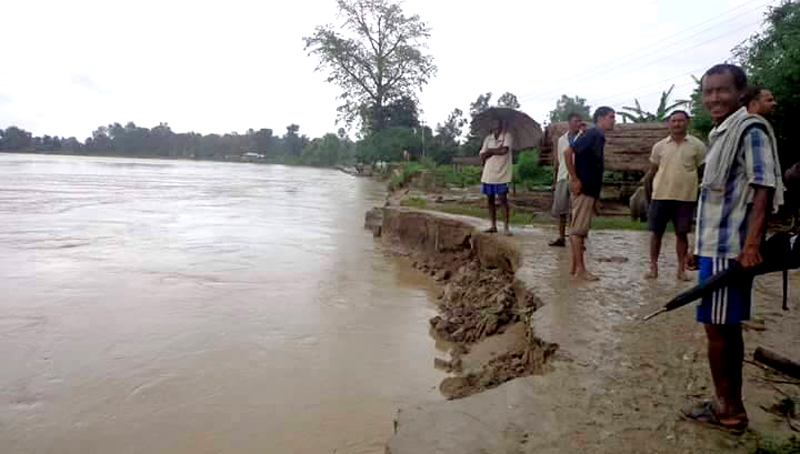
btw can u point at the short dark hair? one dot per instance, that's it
(752, 93)
(574, 115)
(737, 73)
(685, 114)
(601, 112)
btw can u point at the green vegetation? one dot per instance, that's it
(519, 217)
(768, 446)
(529, 173)
(567, 105)
(662, 111)
(160, 141)
(772, 60)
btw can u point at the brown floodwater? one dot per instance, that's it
(194, 307)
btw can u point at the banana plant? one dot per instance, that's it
(639, 115)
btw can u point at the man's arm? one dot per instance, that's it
(574, 181)
(756, 226)
(648, 180)
(555, 167)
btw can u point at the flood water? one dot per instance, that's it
(195, 307)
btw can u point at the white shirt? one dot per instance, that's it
(497, 168)
(563, 144)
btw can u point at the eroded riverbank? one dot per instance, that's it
(615, 385)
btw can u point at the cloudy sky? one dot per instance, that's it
(213, 66)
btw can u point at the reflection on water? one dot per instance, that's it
(182, 307)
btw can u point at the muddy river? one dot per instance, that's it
(194, 307)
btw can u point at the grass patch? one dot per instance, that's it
(768, 446)
(519, 217)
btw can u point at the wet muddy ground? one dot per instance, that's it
(617, 384)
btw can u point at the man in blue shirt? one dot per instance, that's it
(585, 163)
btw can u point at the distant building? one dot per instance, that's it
(250, 155)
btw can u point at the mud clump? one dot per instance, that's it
(475, 302)
(478, 302)
(506, 367)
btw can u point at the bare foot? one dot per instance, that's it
(586, 276)
(491, 230)
(652, 274)
(684, 278)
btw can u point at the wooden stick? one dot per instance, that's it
(777, 362)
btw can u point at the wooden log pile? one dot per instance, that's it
(628, 146)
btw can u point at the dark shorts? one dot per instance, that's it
(492, 189)
(728, 305)
(661, 212)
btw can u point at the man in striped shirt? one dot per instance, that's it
(735, 199)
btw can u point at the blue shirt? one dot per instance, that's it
(722, 218)
(590, 161)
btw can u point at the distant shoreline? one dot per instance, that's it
(166, 158)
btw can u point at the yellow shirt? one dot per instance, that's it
(676, 178)
(497, 168)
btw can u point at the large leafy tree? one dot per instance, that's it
(509, 100)
(567, 105)
(639, 115)
(772, 59)
(375, 55)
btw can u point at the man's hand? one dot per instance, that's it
(750, 256)
(575, 186)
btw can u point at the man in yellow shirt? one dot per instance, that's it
(676, 161)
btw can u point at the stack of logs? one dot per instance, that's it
(628, 146)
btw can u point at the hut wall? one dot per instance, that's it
(628, 146)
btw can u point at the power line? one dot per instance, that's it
(633, 57)
(651, 63)
(605, 99)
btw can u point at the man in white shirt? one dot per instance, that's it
(560, 208)
(496, 158)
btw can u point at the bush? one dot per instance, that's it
(529, 172)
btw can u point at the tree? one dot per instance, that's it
(772, 59)
(325, 151)
(16, 139)
(701, 118)
(402, 113)
(661, 114)
(479, 105)
(509, 100)
(375, 56)
(453, 127)
(567, 105)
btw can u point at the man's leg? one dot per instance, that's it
(722, 313)
(492, 212)
(681, 248)
(579, 229)
(726, 358)
(562, 227)
(655, 251)
(657, 218)
(683, 225)
(506, 215)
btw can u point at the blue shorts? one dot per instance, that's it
(728, 305)
(492, 189)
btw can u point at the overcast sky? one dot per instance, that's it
(213, 66)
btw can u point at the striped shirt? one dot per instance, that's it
(722, 215)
